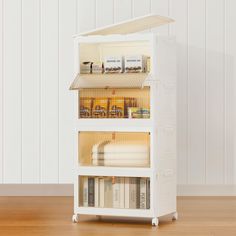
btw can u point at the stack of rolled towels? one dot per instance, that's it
(121, 153)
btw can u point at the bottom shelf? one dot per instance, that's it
(143, 213)
(114, 192)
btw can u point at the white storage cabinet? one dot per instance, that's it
(155, 89)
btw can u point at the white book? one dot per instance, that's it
(96, 192)
(143, 193)
(85, 191)
(127, 192)
(122, 192)
(101, 192)
(133, 193)
(108, 192)
(116, 193)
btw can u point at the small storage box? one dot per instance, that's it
(134, 64)
(113, 64)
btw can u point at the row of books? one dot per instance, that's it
(116, 192)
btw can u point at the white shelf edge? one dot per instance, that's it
(114, 171)
(109, 80)
(143, 213)
(113, 129)
(134, 125)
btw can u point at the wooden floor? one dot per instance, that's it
(44, 216)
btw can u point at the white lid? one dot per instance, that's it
(131, 26)
(119, 80)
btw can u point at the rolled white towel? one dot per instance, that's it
(126, 147)
(123, 163)
(120, 156)
(99, 147)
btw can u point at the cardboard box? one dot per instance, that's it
(86, 104)
(129, 102)
(137, 112)
(116, 107)
(85, 67)
(113, 64)
(100, 108)
(97, 67)
(134, 64)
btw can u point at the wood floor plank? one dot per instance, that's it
(51, 216)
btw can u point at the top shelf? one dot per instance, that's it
(121, 80)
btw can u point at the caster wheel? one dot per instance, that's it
(175, 216)
(155, 221)
(75, 218)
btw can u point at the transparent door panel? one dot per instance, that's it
(114, 103)
(114, 192)
(117, 149)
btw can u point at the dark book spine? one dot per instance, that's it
(91, 192)
(138, 192)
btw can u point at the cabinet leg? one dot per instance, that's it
(175, 216)
(155, 221)
(75, 218)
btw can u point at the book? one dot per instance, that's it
(91, 191)
(116, 193)
(108, 192)
(85, 191)
(143, 193)
(148, 193)
(134, 193)
(122, 192)
(96, 192)
(127, 192)
(101, 192)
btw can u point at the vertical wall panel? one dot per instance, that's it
(86, 15)
(67, 27)
(161, 7)
(12, 91)
(214, 91)
(1, 91)
(122, 10)
(230, 90)
(30, 91)
(196, 92)
(104, 12)
(36, 68)
(49, 94)
(141, 7)
(179, 12)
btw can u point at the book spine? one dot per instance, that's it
(91, 191)
(148, 193)
(143, 189)
(133, 193)
(138, 193)
(101, 192)
(122, 192)
(85, 191)
(108, 193)
(96, 192)
(127, 192)
(116, 193)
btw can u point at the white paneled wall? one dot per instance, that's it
(36, 68)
